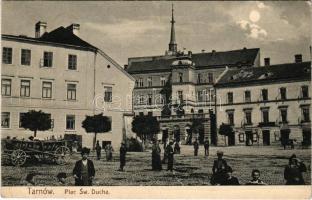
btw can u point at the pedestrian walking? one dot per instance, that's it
(177, 148)
(218, 169)
(206, 146)
(84, 171)
(229, 179)
(255, 174)
(156, 160)
(293, 171)
(109, 152)
(122, 155)
(196, 146)
(170, 152)
(98, 149)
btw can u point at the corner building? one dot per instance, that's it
(61, 74)
(183, 83)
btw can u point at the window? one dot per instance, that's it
(200, 111)
(231, 118)
(25, 57)
(25, 88)
(198, 78)
(181, 77)
(72, 62)
(7, 55)
(200, 96)
(47, 59)
(141, 82)
(248, 117)
(108, 94)
(141, 99)
(305, 91)
(141, 114)
(283, 112)
(230, 97)
(305, 114)
(265, 115)
(6, 87)
(149, 81)
(180, 96)
(283, 93)
(210, 77)
(247, 96)
(162, 81)
(264, 94)
(21, 115)
(46, 89)
(150, 113)
(5, 120)
(70, 122)
(71, 91)
(150, 99)
(162, 99)
(241, 137)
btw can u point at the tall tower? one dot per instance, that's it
(172, 44)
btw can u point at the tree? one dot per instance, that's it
(36, 121)
(226, 130)
(145, 126)
(96, 124)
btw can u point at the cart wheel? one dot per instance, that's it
(62, 155)
(18, 157)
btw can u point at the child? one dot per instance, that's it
(84, 169)
(255, 178)
(61, 178)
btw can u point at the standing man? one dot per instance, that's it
(206, 146)
(98, 149)
(109, 152)
(156, 161)
(170, 152)
(84, 169)
(196, 146)
(123, 151)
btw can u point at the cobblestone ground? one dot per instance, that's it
(189, 170)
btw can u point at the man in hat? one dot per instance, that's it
(123, 151)
(170, 152)
(218, 169)
(84, 169)
(156, 160)
(98, 149)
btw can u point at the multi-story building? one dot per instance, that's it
(263, 103)
(178, 87)
(61, 74)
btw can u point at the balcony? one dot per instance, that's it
(186, 116)
(266, 124)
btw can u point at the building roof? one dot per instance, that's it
(60, 36)
(280, 72)
(63, 35)
(245, 57)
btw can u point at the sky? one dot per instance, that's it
(126, 29)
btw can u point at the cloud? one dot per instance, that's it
(261, 5)
(252, 30)
(127, 28)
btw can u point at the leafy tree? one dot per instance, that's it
(145, 126)
(166, 92)
(226, 130)
(96, 124)
(36, 121)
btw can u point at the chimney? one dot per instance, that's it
(266, 61)
(213, 51)
(40, 29)
(298, 58)
(74, 28)
(189, 54)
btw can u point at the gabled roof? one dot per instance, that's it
(245, 57)
(289, 71)
(63, 35)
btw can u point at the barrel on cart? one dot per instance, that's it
(17, 152)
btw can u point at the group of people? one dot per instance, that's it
(108, 151)
(84, 171)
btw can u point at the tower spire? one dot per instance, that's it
(172, 44)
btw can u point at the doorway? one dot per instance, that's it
(266, 137)
(249, 138)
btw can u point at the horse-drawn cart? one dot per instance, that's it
(18, 151)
